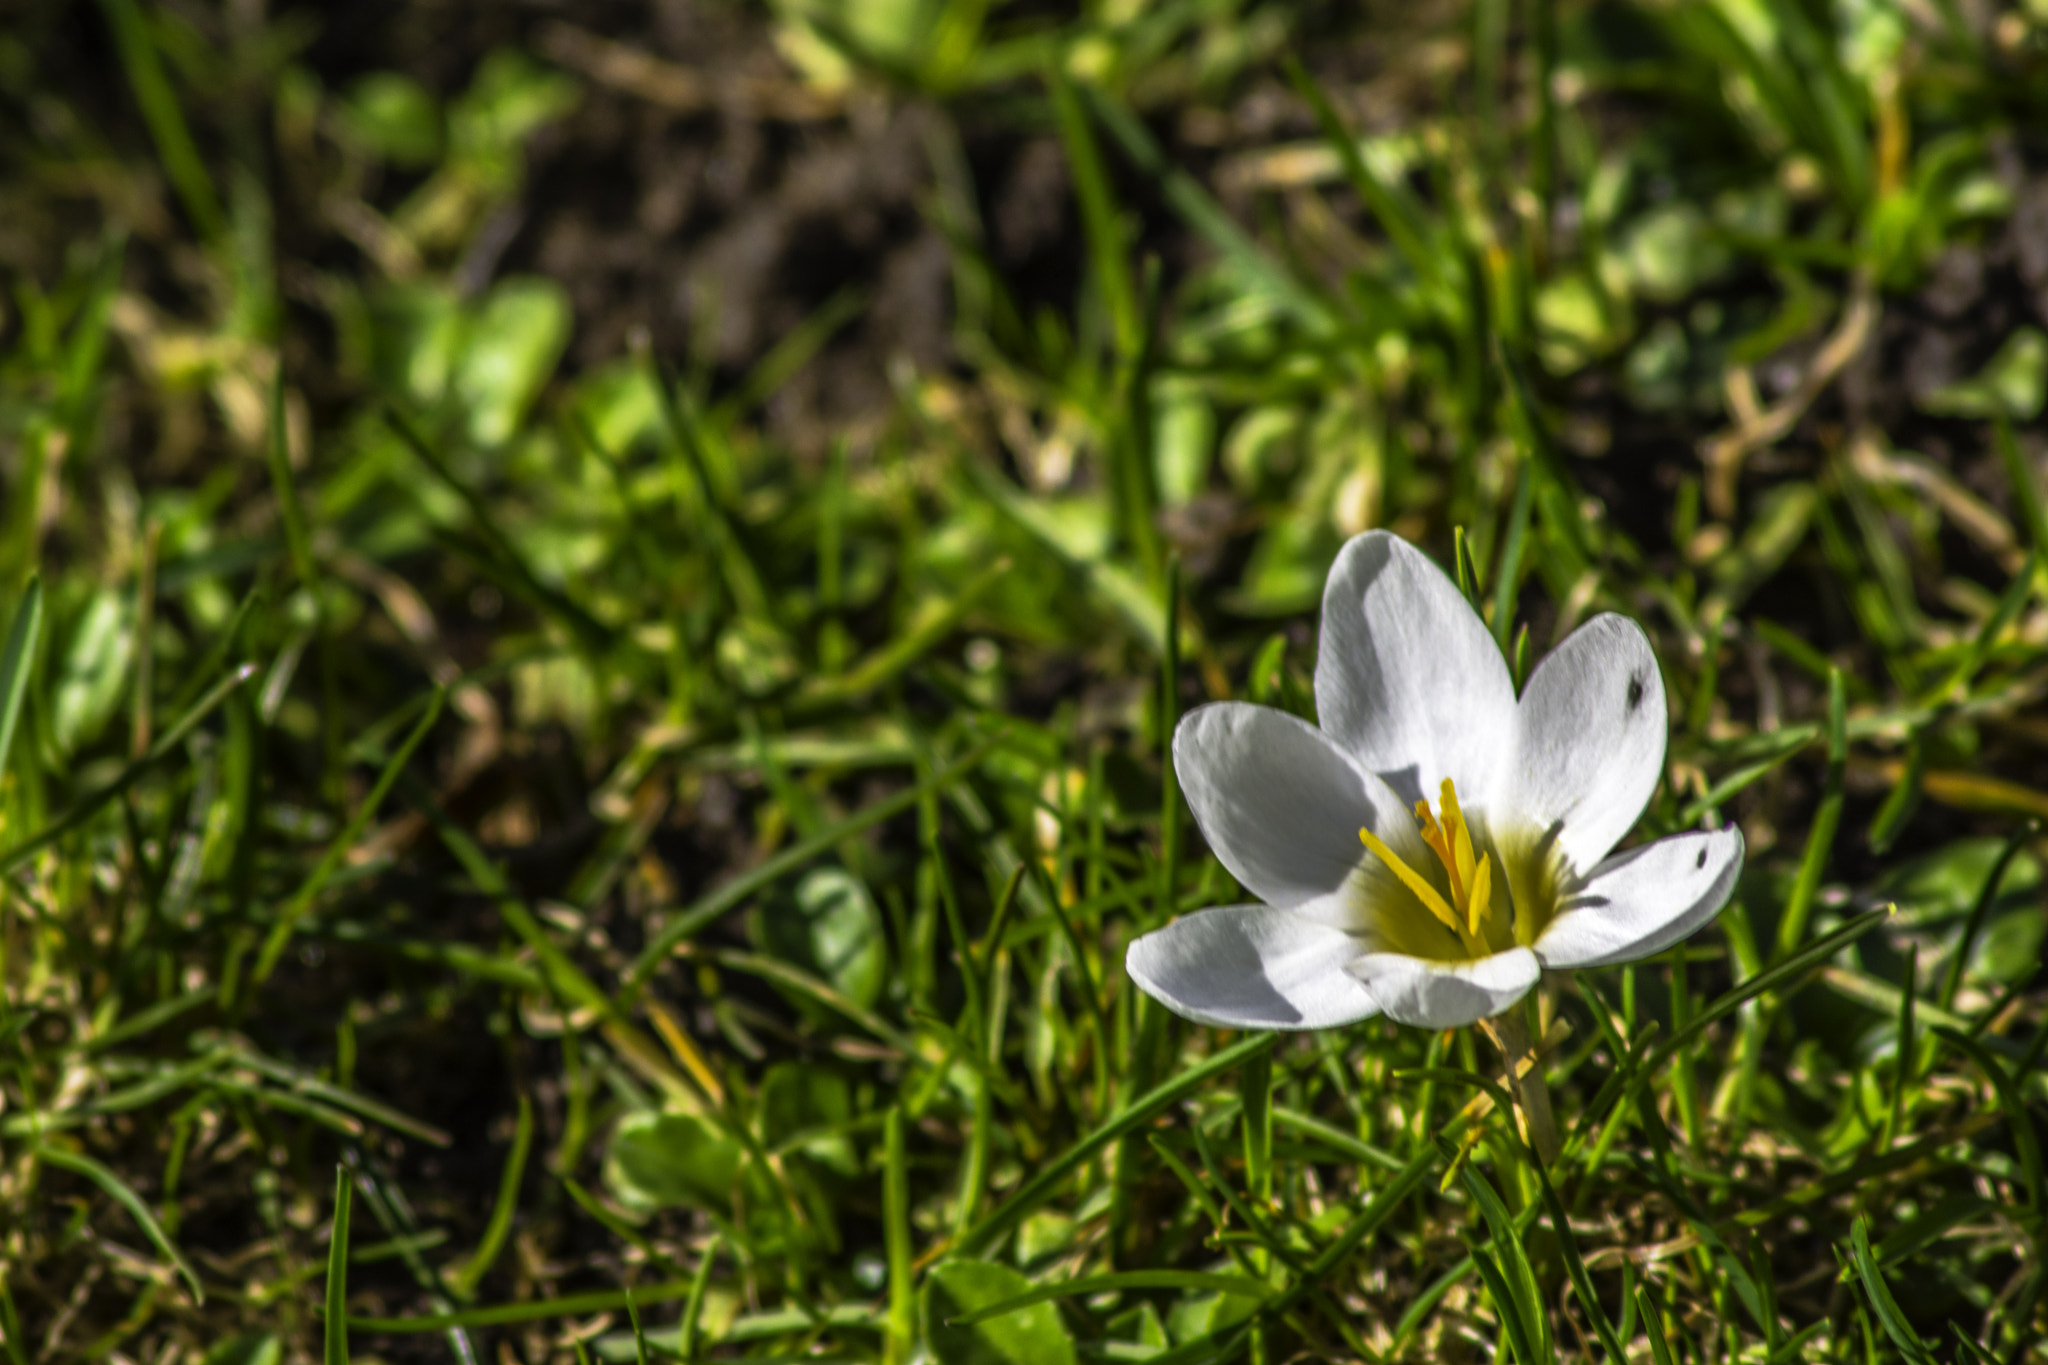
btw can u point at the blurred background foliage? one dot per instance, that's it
(593, 598)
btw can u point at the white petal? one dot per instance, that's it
(1251, 966)
(1407, 679)
(1429, 994)
(1279, 803)
(1644, 901)
(1591, 742)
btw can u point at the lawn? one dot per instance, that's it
(595, 603)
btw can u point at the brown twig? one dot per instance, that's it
(680, 89)
(1757, 426)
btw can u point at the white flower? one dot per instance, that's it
(1374, 902)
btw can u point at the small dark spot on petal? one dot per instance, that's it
(1635, 694)
(1700, 861)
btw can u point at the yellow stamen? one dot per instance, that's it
(1410, 878)
(1482, 893)
(1434, 834)
(1459, 836)
(1469, 872)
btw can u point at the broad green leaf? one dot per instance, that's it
(1183, 439)
(801, 1102)
(507, 102)
(1263, 448)
(756, 656)
(393, 116)
(416, 338)
(248, 1349)
(829, 926)
(1575, 322)
(1042, 1234)
(1032, 1335)
(1671, 251)
(1233, 1286)
(1191, 1319)
(514, 342)
(94, 670)
(2013, 383)
(622, 406)
(1943, 885)
(666, 1161)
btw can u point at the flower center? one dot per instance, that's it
(1471, 879)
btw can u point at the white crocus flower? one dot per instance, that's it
(1439, 841)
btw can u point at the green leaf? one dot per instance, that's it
(93, 669)
(1193, 1319)
(392, 116)
(1235, 1286)
(247, 1349)
(2013, 384)
(805, 1104)
(1671, 250)
(515, 341)
(1031, 1335)
(508, 101)
(668, 1161)
(1944, 885)
(416, 339)
(1183, 439)
(538, 1310)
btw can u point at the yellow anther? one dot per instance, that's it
(1482, 893)
(1469, 872)
(1412, 879)
(1458, 836)
(1434, 834)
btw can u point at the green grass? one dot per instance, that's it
(523, 856)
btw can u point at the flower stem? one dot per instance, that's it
(1525, 1079)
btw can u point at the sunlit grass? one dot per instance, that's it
(678, 878)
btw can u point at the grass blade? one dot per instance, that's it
(507, 1203)
(1509, 1307)
(540, 1310)
(709, 907)
(693, 1306)
(900, 1328)
(1820, 839)
(1139, 1112)
(1887, 1308)
(167, 125)
(163, 748)
(336, 1352)
(338, 848)
(16, 662)
(117, 1189)
(1242, 1286)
